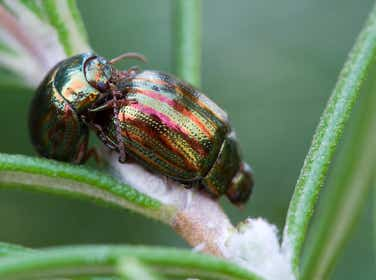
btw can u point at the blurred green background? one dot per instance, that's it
(270, 64)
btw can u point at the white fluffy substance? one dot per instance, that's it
(196, 210)
(156, 186)
(255, 246)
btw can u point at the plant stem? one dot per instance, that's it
(326, 138)
(348, 191)
(198, 218)
(104, 260)
(187, 23)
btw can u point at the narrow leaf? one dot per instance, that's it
(104, 260)
(50, 176)
(187, 23)
(7, 249)
(348, 191)
(326, 138)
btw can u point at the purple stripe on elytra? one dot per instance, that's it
(158, 115)
(162, 118)
(181, 108)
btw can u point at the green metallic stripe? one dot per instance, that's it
(56, 21)
(188, 97)
(156, 162)
(176, 139)
(152, 143)
(139, 85)
(188, 92)
(164, 153)
(184, 122)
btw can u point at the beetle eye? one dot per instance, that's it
(98, 72)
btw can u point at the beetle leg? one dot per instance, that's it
(133, 70)
(100, 133)
(102, 136)
(93, 153)
(108, 105)
(116, 93)
(103, 107)
(84, 155)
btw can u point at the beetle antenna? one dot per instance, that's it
(129, 55)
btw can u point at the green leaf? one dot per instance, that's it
(7, 249)
(104, 260)
(29, 173)
(326, 138)
(187, 23)
(348, 190)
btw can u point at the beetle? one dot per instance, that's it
(61, 102)
(161, 122)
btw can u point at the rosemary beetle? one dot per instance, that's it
(171, 128)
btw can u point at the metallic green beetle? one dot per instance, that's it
(163, 123)
(170, 127)
(69, 89)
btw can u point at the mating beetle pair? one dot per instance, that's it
(159, 121)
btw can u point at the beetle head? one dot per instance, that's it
(98, 72)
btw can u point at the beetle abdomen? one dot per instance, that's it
(229, 175)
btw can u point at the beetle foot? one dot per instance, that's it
(95, 154)
(122, 158)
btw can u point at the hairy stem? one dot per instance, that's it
(198, 218)
(187, 23)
